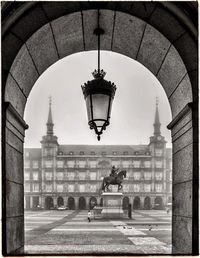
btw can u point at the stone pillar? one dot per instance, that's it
(13, 191)
(87, 199)
(54, 201)
(65, 200)
(142, 202)
(76, 202)
(43, 201)
(185, 182)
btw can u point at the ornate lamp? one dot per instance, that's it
(99, 95)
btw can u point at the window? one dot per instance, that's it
(93, 188)
(59, 176)
(48, 163)
(48, 151)
(137, 175)
(26, 176)
(93, 175)
(70, 188)
(159, 164)
(60, 163)
(158, 175)
(27, 164)
(35, 164)
(147, 175)
(81, 188)
(60, 187)
(147, 187)
(82, 175)
(70, 163)
(136, 187)
(35, 175)
(82, 163)
(136, 163)
(93, 164)
(125, 163)
(48, 187)
(27, 187)
(48, 176)
(35, 187)
(71, 175)
(158, 152)
(147, 164)
(126, 188)
(158, 187)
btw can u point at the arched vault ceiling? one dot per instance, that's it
(124, 33)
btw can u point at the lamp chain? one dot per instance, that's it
(98, 44)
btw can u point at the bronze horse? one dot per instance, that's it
(110, 180)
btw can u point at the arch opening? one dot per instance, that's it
(175, 92)
(49, 203)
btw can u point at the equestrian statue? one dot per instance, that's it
(115, 178)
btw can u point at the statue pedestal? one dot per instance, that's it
(112, 205)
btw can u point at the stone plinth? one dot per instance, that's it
(112, 205)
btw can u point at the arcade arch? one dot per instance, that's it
(92, 202)
(136, 203)
(171, 55)
(48, 202)
(147, 203)
(71, 203)
(82, 203)
(60, 201)
(125, 203)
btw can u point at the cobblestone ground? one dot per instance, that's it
(69, 232)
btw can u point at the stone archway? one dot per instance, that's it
(60, 201)
(125, 203)
(92, 202)
(71, 203)
(136, 203)
(48, 202)
(82, 203)
(147, 203)
(158, 203)
(141, 31)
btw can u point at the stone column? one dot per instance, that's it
(76, 202)
(54, 201)
(13, 180)
(185, 182)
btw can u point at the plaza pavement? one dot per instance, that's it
(69, 232)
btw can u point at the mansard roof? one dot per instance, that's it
(106, 149)
(34, 153)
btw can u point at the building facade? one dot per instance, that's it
(71, 175)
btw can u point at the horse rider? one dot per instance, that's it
(114, 171)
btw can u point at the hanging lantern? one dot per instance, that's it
(99, 95)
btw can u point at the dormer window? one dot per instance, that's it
(71, 153)
(114, 152)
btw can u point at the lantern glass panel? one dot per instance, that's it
(100, 104)
(88, 105)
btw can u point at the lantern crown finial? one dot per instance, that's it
(98, 74)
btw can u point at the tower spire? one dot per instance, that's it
(157, 120)
(50, 121)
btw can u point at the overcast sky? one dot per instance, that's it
(133, 109)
